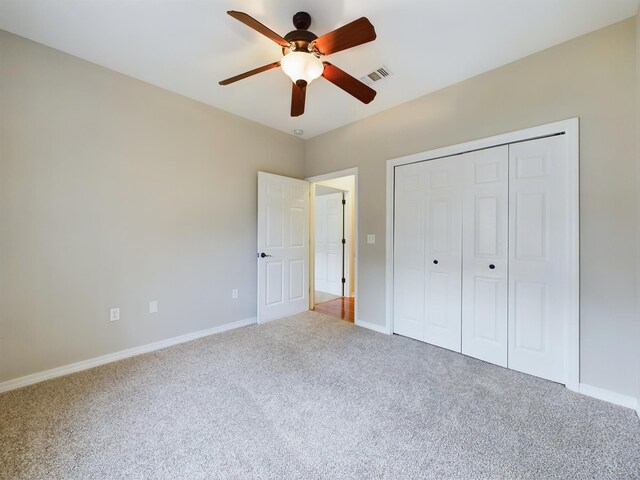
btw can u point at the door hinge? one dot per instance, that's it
(344, 202)
(344, 280)
(344, 241)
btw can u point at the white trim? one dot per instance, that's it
(572, 350)
(389, 244)
(312, 211)
(564, 126)
(312, 245)
(372, 326)
(571, 130)
(349, 227)
(333, 175)
(121, 355)
(609, 396)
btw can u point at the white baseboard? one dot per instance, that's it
(372, 326)
(122, 354)
(609, 396)
(591, 391)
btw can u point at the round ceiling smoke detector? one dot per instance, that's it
(298, 132)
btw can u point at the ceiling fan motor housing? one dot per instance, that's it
(301, 37)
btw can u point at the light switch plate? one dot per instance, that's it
(153, 307)
(371, 238)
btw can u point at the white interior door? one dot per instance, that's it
(329, 235)
(484, 274)
(539, 239)
(283, 246)
(409, 251)
(443, 247)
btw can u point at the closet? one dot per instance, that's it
(481, 251)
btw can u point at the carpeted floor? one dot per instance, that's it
(310, 397)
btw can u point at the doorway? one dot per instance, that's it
(333, 245)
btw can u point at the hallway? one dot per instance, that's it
(342, 308)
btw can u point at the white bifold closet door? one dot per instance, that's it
(408, 250)
(484, 265)
(539, 251)
(482, 245)
(427, 250)
(443, 247)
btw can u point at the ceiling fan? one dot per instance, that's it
(303, 52)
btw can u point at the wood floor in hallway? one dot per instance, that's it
(343, 308)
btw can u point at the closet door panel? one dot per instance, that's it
(409, 251)
(485, 248)
(443, 260)
(538, 270)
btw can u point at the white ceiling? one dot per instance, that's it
(187, 46)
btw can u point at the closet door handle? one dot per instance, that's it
(263, 255)
(435, 262)
(492, 266)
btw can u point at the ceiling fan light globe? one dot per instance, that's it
(302, 66)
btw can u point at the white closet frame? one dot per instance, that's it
(570, 129)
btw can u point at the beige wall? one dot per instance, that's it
(591, 77)
(114, 193)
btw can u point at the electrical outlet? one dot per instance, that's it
(153, 307)
(114, 314)
(234, 293)
(371, 239)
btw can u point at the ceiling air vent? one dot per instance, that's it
(377, 75)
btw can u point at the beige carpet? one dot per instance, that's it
(310, 397)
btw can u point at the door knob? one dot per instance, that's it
(492, 266)
(262, 255)
(435, 262)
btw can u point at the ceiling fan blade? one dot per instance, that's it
(258, 27)
(349, 84)
(250, 73)
(298, 95)
(350, 35)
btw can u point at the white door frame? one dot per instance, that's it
(570, 128)
(312, 232)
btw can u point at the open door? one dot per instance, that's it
(283, 246)
(330, 243)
